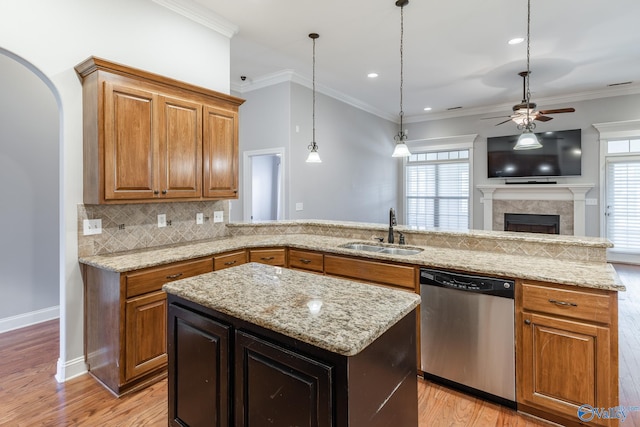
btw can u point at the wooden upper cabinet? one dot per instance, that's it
(130, 144)
(180, 148)
(220, 156)
(152, 138)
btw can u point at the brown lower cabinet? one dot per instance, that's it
(567, 352)
(126, 322)
(265, 378)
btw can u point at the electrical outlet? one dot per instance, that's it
(591, 202)
(91, 226)
(299, 206)
(218, 216)
(199, 218)
(162, 220)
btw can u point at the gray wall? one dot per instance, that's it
(29, 170)
(357, 180)
(587, 113)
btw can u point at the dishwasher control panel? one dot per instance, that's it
(467, 282)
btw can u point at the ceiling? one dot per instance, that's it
(455, 52)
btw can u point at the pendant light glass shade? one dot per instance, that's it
(401, 149)
(314, 157)
(527, 141)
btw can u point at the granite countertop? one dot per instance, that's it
(583, 274)
(334, 314)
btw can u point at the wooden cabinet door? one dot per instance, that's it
(199, 370)
(145, 334)
(220, 153)
(180, 134)
(275, 386)
(563, 365)
(229, 259)
(130, 144)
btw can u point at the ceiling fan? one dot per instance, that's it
(520, 111)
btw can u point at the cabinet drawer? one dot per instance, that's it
(578, 304)
(371, 271)
(143, 281)
(268, 256)
(306, 260)
(229, 259)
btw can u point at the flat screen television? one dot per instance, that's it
(560, 155)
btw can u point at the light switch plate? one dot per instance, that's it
(299, 206)
(591, 202)
(218, 216)
(199, 218)
(91, 226)
(162, 220)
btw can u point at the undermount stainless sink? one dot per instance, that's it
(381, 249)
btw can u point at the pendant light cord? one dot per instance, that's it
(313, 84)
(528, 123)
(401, 134)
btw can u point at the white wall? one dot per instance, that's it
(54, 37)
(29, 170)
(587, 112)
(357, 179)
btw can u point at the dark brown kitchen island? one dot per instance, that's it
(257, 345)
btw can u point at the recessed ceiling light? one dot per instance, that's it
(427, 108)
(516, 40)
(372, 75)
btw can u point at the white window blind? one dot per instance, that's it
(623, 204)
(437, 190)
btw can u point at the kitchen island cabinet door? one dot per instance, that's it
(199, 370)
(274, 383)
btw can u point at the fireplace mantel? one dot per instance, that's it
(573, 192)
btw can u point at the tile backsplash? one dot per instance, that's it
(135, 226)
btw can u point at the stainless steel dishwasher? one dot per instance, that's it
(467, 333)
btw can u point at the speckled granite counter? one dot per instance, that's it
(337, 315)
(598, 275)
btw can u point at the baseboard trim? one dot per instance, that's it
(27, 319)
(70, 369)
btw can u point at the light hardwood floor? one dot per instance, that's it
(30, 395)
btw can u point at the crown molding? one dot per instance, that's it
(293, 77)
(507, 108)
(201, 15)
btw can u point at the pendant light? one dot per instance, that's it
(401, 149)
(314, 157)
(527, 140)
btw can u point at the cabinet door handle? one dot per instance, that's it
(563, 303)
(174, 276)
(305, 261)
(267, 258)
(527, 322)
(230, 262)
(156, 192)
(164, 191)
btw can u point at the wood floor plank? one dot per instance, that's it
(30, 395)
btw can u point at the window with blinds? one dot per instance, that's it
(437, 190)
(623, 203)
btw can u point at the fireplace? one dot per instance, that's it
(532, 223)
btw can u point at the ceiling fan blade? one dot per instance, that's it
(542, 118)
(501, 123)
(559, 110)
(496, 117)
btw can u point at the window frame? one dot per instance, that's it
(611, 131)
(454, 143)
